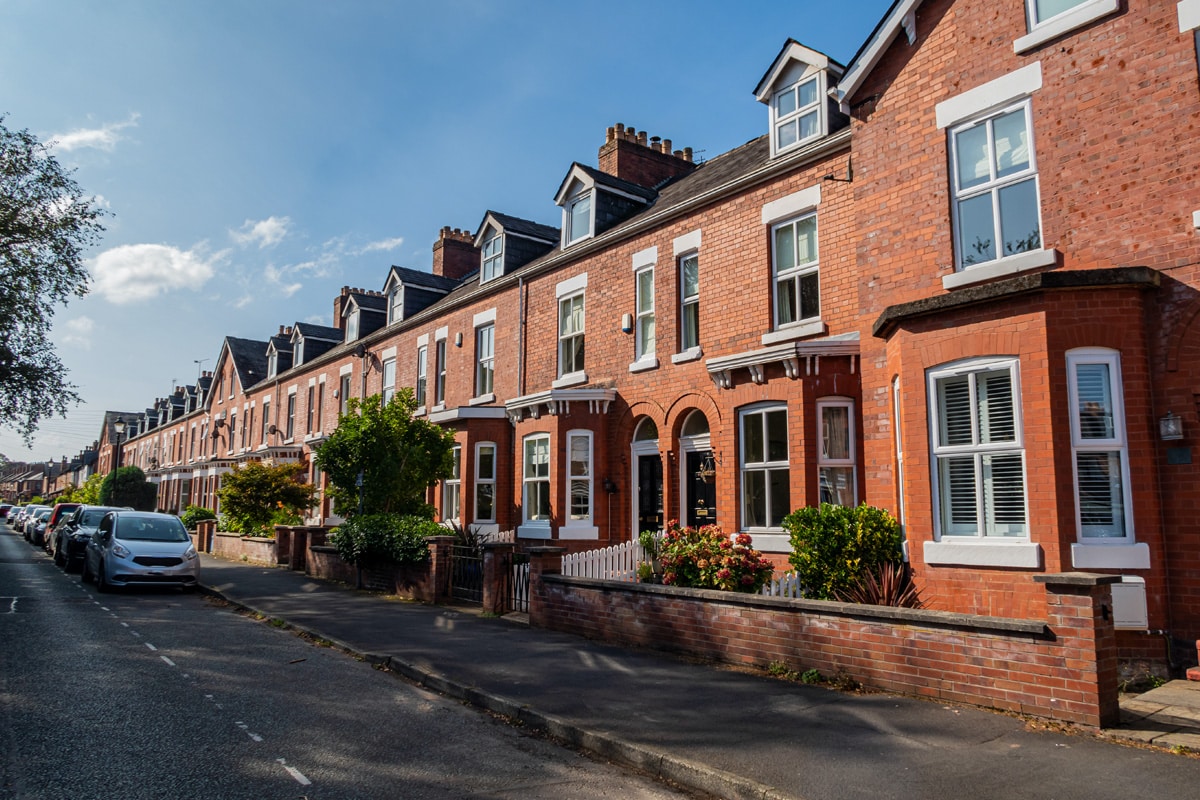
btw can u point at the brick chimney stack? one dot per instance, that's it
(455, 254)
(628, 154)
(339, 305)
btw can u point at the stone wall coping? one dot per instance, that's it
(323, 548)
(550, 550)
(1076, 579)
(911, 616)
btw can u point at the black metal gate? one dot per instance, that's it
(466, 576)
(517, 596)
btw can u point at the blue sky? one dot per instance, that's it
(258, 155)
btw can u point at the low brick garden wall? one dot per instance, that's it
(236, 547)
(1064, 667)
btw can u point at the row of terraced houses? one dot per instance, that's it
(956, 278)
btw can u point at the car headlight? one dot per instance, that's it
(120, 551)
(189, 554)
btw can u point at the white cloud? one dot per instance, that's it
(265, 233)
(134, 272)
(79, 332)
(103, 138)
(382, 245)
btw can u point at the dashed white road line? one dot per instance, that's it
(295, 773)
(170, 663)
(152, 647)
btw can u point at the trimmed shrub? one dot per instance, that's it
(385, 539)
(193, 514)
(833, 546)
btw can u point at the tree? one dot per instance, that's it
(397, 455)
(89, 491)
(127, 486)
(256, 496)
(46, 222)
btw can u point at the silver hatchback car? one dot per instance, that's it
(140, 548)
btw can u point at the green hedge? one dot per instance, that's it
(834, 546)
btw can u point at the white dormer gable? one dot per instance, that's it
(393, 290)
(796, 92)
(272, 360)
(297, 346)
(351, 315)
(490, 241)
(577, 198)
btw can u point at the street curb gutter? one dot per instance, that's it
(658, 763)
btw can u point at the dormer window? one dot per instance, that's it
(493, 258)
(272, 362)
(396, 304)
(578, 217)
(297, 352)
(797, 113)
(352, 325)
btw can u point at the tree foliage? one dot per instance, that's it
(398, 456)
(385, 539)
(127, 486)
(257, 496)
(89, 491)
(46, 222)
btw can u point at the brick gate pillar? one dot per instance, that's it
(542, 561)
(496, 567)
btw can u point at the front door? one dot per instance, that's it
(650, 492)
(701, 495)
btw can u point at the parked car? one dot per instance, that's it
(70, 538)
(57, 517)
(4, 509)
(35, 526)
(23, 514)
(140, 548)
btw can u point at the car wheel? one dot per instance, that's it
(102, 580)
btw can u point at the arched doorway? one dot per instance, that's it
(647, 478)
(698, 481)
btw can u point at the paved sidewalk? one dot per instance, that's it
(729, 733)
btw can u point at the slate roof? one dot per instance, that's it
(310, 331)
(523, 227)
(414, 277)
(370, 302)
(603, 179)
(249, 360)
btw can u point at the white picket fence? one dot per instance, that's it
(785, 585)
(616, 563)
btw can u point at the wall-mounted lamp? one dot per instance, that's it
(609, 486)
(627, 323)
(458, 339)
(1170, 427)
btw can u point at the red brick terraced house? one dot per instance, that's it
(956, 278)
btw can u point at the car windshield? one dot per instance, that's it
(92, 518)
(151, 530)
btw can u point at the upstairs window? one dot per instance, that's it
(272, 363)
(979, 456)
(396, 304)
(996, 205)
(493, 258)
(352, 325)
(290, 429)
(578, 215)
(485, 359)
(389, 380)
(266, 421)
(570, 335)
(797, 112)
(1042, 11)
(422, 364)
(311, 410)
(439, 377)
(689, 314)
(298, 353)
(644, 338)
(344, 392)
(797, 278)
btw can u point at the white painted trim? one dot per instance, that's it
(643, 364)
(423, 340)
(483, 318)
(771, 542)
(1001, 267)
(578, 532)
(690, 354)
(645, 258)
(570, 379)
(1065, 23)
(1005, 89)
(686, 243)
(570, 286)
(293, 388)
(482, 399)
(345, 369)
(811, 328)
(442, 333)
(1110, 556)
(792, 204)
(532, 531)
(1189, 18)
(388, 353)
(1019, 555)
(321, 378)
(1196, 219)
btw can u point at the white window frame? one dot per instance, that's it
(644, 322)
(767, 536)
(452, 488)
(352, 325)
(439, 376)
(266, 421)
(422, 383)
(1117, 444)
(310, 410)
(570, 234)
(298, 352)
(795, 274)
(289, 429)
(485, 359)
(485, 480)
(535, 479)
(689, 304)
(967, 548)
(565, 339)
(993, 186)
(388, 390)
(1055, 25)
(827, 462)
(396, 304)
(799, 112)
(579, 523)
(492, 258)
(272, 364)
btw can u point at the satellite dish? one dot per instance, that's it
(360, 351)
(271, 429)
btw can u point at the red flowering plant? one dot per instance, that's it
(707, 558)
